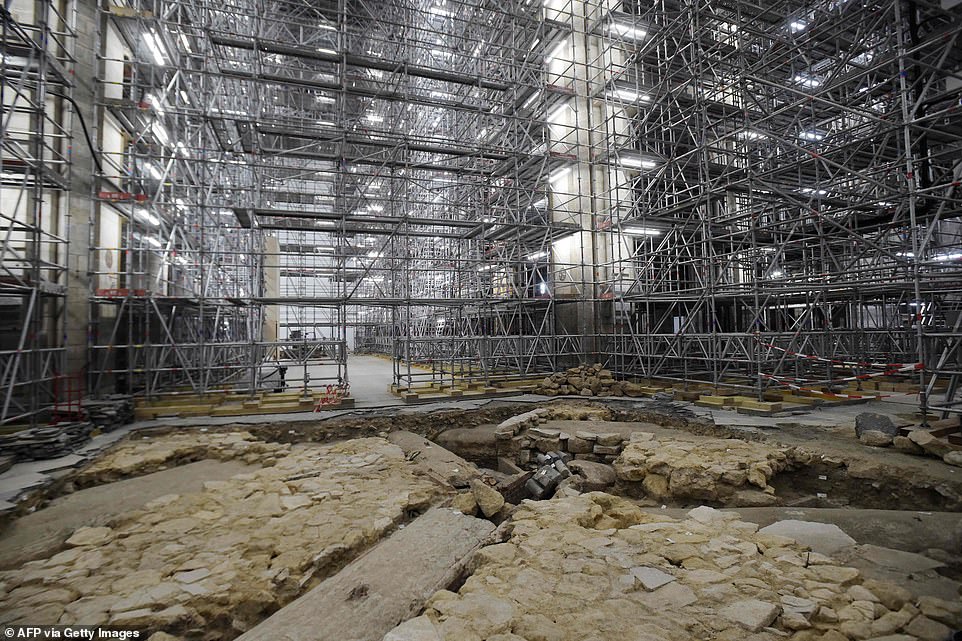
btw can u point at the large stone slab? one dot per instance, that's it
(389, 584)
(824, 538)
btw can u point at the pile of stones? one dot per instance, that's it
(595, 566)
(46, 442)
(586, 380)
(511, 426)
(109, 413)
(528, 443)
(879, 430)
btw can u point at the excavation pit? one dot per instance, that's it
(315, 500)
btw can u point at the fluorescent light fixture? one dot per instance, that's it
(440, 11)
(630, 96)
(440, 52)
(375, 207)
(487, 268)
(374, 254)
(797, 25)
(751, 134)
(147, 217)
(153, 241)
(326, 27)
(542, 287)
(161, 133)
(536, 255)
(640, 231)
(484, 132)
(777, 273)
(329, 52)
(630, 32)
(530, 101)
(806, 81)
(156, 103)
(557, 51)
(155, 47)
(152, 169)
(946, 257)
(374, 118)
(636, 162)
(817, 192)
(557, 111)
(558, 174)
(185, 42)
(181, 149)
(325, 99)
(184, 97)
(811, 135)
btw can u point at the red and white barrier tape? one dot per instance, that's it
(890, 368)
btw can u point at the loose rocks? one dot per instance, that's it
(596, 567)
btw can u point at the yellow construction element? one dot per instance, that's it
(222, 404)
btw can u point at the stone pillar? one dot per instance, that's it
(81, 205)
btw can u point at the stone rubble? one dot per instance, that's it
(589, 380)
(141, 455)
(211, 564)
(706, 469)
(516, 424)
(596, 567)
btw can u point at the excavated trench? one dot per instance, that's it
(811, 477)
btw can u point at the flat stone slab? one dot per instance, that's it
(13, 486)
(751, 614)
(651, 578)
(824, 538)
(897, 559)
(388, 584)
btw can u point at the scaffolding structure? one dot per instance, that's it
(486, 190)
(36, 58)
(782, 191)
(287, 180)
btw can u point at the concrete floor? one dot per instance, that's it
(370, 378)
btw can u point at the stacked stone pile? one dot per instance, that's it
(595, 567)
(587, 380)
(210, 564)
(110, 413)
(517, 424)
(46, 442)
(582, 445)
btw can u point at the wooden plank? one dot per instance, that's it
(385, 586)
